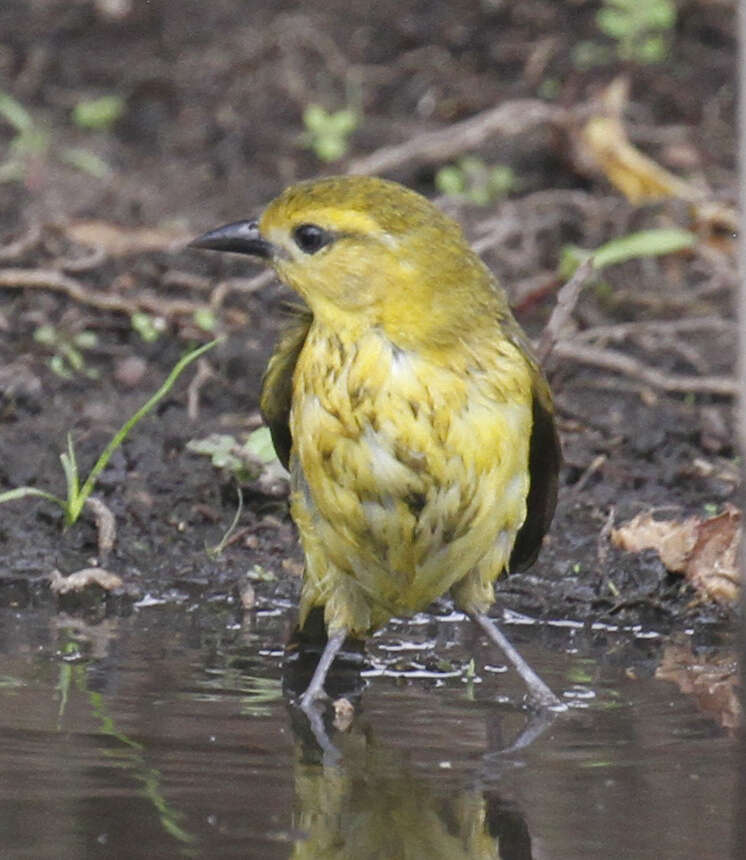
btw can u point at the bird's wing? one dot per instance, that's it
(544, 458)
(277, 384)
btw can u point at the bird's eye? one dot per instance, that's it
(310, 238)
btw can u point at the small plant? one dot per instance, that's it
(327, 133)
(98, 114)
(149, 327)
(475, 181)
(33, 145)
(30, 141)
(67, 359)
(77, 495)
(244, 461)
(641, 30)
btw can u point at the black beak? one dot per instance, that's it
(240, 237)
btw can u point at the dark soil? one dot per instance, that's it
(213, 101)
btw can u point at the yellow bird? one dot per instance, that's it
(416, 425)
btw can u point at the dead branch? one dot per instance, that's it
(621, 331)
(509, 118)
(22, 245)
(105, 526)
(567, 298)
(239, 285)
(608, 359)
(48, 279)
(203, 374)
(91, 260)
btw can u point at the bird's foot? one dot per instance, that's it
(313, 699)
(541, 698)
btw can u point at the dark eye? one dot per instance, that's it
(310, 238)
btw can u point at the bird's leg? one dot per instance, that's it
(315, 690)
(539, 693)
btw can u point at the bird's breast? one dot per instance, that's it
(406, 470)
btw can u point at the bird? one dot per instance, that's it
(405, 401)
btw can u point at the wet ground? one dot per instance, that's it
(155, 719)
(166, 734)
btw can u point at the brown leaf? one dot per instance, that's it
(674, 541)
(603, 146)
(713, 682)
(713, 566)
(704, 550)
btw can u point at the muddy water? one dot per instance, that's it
(166, 734)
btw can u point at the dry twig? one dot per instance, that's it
(22, 245)
(203, 374)
(509, 118)
(567, 298)
(105, 526)
(48, 279)
(608, 359)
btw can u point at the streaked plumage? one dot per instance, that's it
(416, 425)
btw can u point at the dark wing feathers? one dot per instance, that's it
(277, 384)
(544, 459)
(544, 450)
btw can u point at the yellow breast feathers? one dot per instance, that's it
(409, 478)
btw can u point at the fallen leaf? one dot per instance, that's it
(603, 146)
(713, 567)
(344, 711)
(705, 551)
(712, 681)
(674, 541)
(83, 579)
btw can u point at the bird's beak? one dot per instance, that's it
(240, 237)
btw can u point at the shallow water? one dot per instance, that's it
(166, 734)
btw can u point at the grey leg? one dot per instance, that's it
(315, 690)
(539, 693)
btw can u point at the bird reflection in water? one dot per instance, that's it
(357, 796)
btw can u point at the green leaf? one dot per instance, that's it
(221, 448)
(343, 122)
(85, 161)
(259, 574)
(59, 368)
(315, 117)
(330, 148)
(147, 326)
(501, 180)
(653, 49)
(617, 25)
(205, 319)
(86, 339)
(646, 243)
(98, 114)
(46, 335)
(15, 113)
(449, 180)
(260, 445)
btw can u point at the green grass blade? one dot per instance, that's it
(22, 492)
(76, 506)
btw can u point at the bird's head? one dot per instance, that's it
(363, 251)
